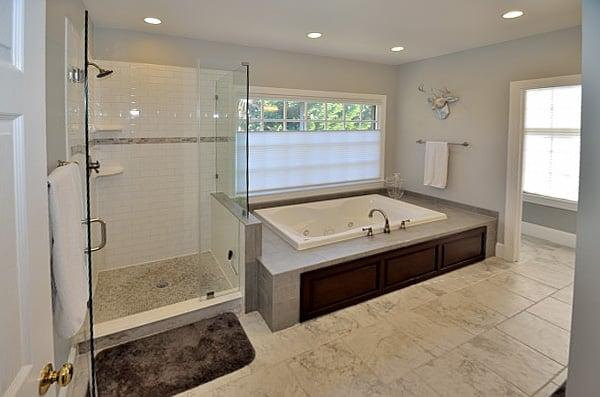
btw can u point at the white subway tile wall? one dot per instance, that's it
(159, 206)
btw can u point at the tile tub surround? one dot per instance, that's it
(280, 265)
(395, 345)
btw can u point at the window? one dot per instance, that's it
(552, 142)
(303, 139)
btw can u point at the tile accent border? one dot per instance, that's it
(181, 139)
(137, 141)
(212, 139)
(77, 149)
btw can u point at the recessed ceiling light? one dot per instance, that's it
(397, 49)
(314, 35)
(152, 21)
(512, 14)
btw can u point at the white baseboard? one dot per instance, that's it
(546, 233)
(500, 250)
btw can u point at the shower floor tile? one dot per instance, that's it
(134, 289)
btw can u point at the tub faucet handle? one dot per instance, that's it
(369, 231)
(403, 224)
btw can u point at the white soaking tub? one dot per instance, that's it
(325, 222)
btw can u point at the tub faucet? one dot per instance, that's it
(386, 228)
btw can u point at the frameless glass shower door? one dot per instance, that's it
(231, 135)
(229, 199)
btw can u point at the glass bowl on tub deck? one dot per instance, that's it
(393, 185)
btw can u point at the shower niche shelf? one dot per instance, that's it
(107, 130)
(110, 170)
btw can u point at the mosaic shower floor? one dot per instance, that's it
(134, 289)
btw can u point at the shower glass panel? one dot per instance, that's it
(231, 135)
(229, 197)
(75, 133)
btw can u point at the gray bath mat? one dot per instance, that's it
(174, 361)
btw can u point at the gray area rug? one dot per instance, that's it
(174, 361)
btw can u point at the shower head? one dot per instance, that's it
(101, 71)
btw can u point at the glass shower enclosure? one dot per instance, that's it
(231, 135)
(169, 149)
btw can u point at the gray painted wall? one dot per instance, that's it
(56, 11)
(584, 359)
(268, 68)
(481, 78)
(555, 218)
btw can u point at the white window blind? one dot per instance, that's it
(552, 142)
(298, 143)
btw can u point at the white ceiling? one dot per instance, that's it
(353, 29)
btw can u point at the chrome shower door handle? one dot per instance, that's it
(102, 235)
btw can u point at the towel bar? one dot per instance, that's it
(421, 141)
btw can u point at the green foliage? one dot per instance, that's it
(268, 115)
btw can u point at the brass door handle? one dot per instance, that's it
(48, 376)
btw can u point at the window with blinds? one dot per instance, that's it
(552, 142)
(298, 142)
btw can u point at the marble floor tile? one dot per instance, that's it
(272, 348)
(448, 282)
(498, 262)
(445, 337)
(485, 269)
(539, 334)
(436, 335)
(388, 352)
(499, 299)
(546, 391)
(335, 325)
(565, 294)
(333, 370)
(462, 312)
(554, 311)
(454, 374)
(547, 272)
(206, 389)
(536, 249)
(403, 299)
(273, 381)
(523, 366)
(561, 377)
(411, 385)
(524, 286)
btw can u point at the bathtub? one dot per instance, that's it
(325, 222)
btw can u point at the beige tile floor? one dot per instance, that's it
(490, 329)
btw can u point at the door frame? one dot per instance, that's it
(513, 211)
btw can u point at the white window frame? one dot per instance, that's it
(322, 96)
(550, 201)
(513, 211)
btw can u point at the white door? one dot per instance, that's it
(26, 342)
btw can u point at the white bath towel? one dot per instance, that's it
(436, 164)
(69, 268)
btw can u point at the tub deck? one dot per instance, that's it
(280, 265)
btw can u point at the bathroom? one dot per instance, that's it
(301, 209)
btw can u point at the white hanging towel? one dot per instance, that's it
(69, 269)
(436, 164)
